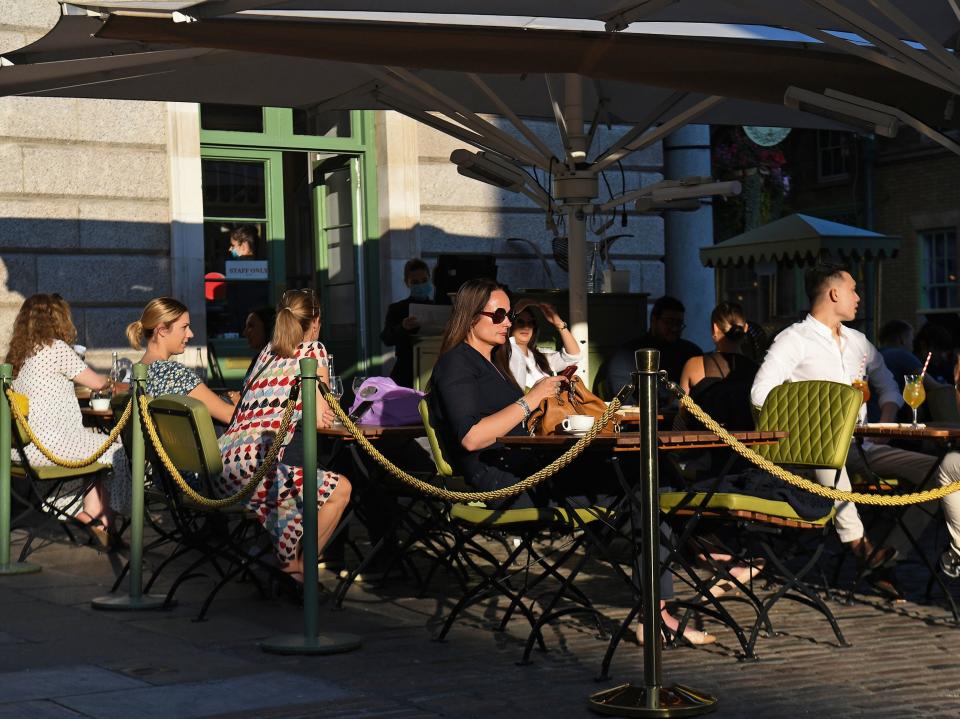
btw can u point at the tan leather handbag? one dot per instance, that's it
(575, 398)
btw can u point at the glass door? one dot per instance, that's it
(338, 203)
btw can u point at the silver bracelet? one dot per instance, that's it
(525, 407)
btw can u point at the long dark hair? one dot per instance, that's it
(470, 300)
(538, 357)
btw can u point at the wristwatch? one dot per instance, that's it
(562, 327)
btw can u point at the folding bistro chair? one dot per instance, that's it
(526, 526)
(229, 539)
(45, 494)
(819, 417)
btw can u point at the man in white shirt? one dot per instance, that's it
(822, 348)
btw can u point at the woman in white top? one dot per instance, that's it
(45, 369)
(528, 364)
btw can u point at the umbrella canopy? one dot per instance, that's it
(800, 239)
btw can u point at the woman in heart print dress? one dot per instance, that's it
(278, 500)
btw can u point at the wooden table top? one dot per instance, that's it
(411, 431)
(904, 431)
(630, 441)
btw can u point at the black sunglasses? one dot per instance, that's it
(499, 315)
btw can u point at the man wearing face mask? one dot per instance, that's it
(400, 326)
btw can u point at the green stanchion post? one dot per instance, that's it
(311, 641)
(135, 599)
(6, 447)
(652, 699)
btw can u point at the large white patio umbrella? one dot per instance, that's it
(444, 74)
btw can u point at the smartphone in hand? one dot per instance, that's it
(568, 371)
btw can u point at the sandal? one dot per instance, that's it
(744, 574)
(99, 535)
(694, 637)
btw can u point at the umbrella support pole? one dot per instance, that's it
(652, 699)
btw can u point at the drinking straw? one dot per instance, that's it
(863, 366)
(926, 364)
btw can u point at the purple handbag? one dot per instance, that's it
(382, 402)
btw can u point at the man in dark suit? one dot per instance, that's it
(400, 326)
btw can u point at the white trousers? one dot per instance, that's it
(913, 467)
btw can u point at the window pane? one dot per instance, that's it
(234, 283)
(326, 123)
(939, 271)
(233, 189)
(233, 118)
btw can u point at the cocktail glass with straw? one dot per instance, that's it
(863, 385)
(914, 394)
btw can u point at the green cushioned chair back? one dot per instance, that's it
(443, 467)
(186, 433)
(820, 417)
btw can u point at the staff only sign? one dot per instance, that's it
(246, 270)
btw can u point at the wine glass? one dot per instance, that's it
(336, 389)
(861, 384)
(914, 394)
(358, 381)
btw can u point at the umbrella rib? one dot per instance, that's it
(884, 39)
(405, 79)
(643, 125)
(874, 56)
(508, 112)
(911, 28)
(561, 122)
(659, 132)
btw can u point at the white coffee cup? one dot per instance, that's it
(577, 423)
(100, 404)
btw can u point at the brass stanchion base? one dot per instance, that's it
(627, 700)
(301, 644)
(126, 603)
(19, 568)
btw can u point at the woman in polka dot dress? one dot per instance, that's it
(45, 369)
(278, 500)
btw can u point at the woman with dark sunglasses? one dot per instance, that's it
(473, 396)
(528, 363)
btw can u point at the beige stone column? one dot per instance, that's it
(398, 176)
(186, 213)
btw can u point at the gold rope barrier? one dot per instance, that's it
(246, 489)
(883, 500)
(56, 459)
(450, 496)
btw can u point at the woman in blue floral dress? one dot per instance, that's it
(165, 327)
(278, 499)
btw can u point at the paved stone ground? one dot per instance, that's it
(60, 659)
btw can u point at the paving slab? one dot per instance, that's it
(203, 699)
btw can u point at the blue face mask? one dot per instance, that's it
(423, 291)
(234, 252)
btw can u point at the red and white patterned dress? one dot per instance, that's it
(278, 499)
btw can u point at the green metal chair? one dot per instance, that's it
(527, 526)
(819, 417)
(46, 494)
(228, 540)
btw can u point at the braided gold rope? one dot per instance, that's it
(247, 489)
(56, 459)
(449, 496)
(883, 500)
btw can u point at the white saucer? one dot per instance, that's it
(575, 432)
